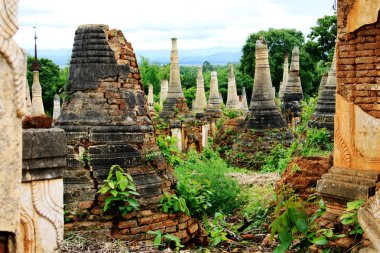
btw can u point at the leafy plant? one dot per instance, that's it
(216, 229)
(120, 190)
(158, 240)
(168, 147)
(171, 203)
(350, 217)
(316, 140)
(232, 113)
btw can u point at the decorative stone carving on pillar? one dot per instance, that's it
(56, 108)
(44, 159)
(263, 113)
(164, 91)
(293, 95)
(285, 75)
(200, 102)
(232, 97)
(325, 109)
(356, 166)
(244, 103)
(175, 100)
(12, 108)
(150, 98)
(214, 106)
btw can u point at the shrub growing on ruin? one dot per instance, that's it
(120, 191)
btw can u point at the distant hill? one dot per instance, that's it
(215, 55)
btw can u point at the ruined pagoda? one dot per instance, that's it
(214, 106)
(244, 103)
(232, 97)
(175, 101)
(262, 111)
(284, 78)
(293, 95)
(164, 91)
(37, 104)
(150, 98)
(324, 111)
(200, 102)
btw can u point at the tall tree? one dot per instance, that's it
(52, 80)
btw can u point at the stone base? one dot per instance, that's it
(339, 186)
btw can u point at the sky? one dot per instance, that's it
(149, 24)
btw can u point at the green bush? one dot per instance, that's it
(279, 158)
(316, 140)
(232, 113)
(208, 167)
(171, 203)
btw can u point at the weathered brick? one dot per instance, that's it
(85, 204)
(182, 225)
(359, 60)
(193, 228)
(184, 218)
(347, 80)
(145, 220)
(181, 234)
(365, 53)
(347, 61)
(348, 54)
(171, 229)
(97, 211)
(369, 32)
(365, 100)
(156, 226)
(144, 213)
(346, 48)
(346, 74)
(365, 66)
(375, 114)
(365, 80)
(130, 215)
(138, 230)
(172, 216)
(124, 232)
(170, 223)
(367, 73)
(346, 67)
(160, 217)
(127, 224)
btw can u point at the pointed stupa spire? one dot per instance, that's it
(200, 102)
(28, 101)
(56, 107)
(262, 112)
(175, 100)
(293, 90)
(214, 105)
(164, 91)
(37, 104)
(325, 109)
(285, 75)
(150, 98)
(244, 103)
(232, 97)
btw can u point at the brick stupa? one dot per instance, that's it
(232, 97)
(263, 113)
(324, 111)
(214, 106)
(175, 101)
(200, 101)
(293, 95)
(285, 75)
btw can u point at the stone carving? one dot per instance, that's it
(369, 219)
(232, 97)
(12, 108)
(343, 148)
(214, 106)
(150, 98)
(164, 91)
(200, 102)
(263, 113)
(293, 95)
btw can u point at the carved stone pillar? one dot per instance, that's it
(12, 108)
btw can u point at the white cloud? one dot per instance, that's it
(149, 24)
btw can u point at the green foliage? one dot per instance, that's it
(203, 174)
(120, 190)
(52, 80)
(232, 113)
(317, 140)
(168, 147)
(171, 203)
(279, 158)
(350, 217)
(216, 230)
(168, 239)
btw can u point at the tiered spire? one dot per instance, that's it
(150, 98)
(214, 102)
(244, 103)
(293, 90)
(262, 112)
(37, 104)
(232, 97)
(284, 78)
(325, 109)
(164, 91)
(175, 93)
(56, 107)
(200, 102)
